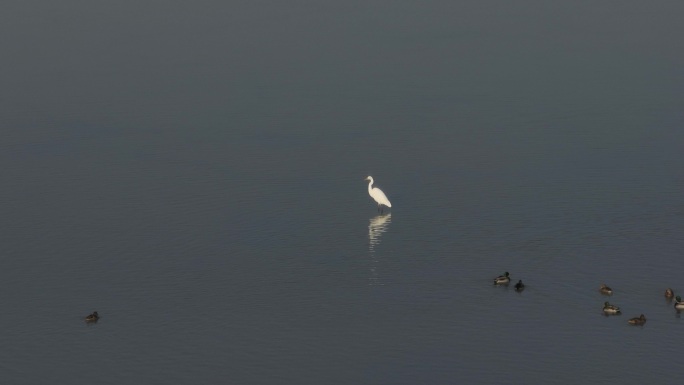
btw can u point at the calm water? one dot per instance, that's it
(194, 172)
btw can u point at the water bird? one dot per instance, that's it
(669, 293)
(519, 286)
(679, 305)
(377, 194)
(610, 309)
(92, 317)
(502, 279)
(638, 320)
(605, 289)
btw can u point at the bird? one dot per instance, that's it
(669, 293)
(92, 317)
(605, 289)
(502, 279)
(679, 305)
(377, 195)
(519, 286)
(610, 309)
(638, 320)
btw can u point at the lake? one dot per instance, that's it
(194, 171)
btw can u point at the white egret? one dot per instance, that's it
(377, 195)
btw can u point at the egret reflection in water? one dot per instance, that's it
(377, 226)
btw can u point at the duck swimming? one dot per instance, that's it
(519, 286)
(610, 309)
(679, 305)
(502, 279)
(638, 320)
(605, 289)
(92, 317)
(669, 293)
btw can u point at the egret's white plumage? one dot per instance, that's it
(377, 194)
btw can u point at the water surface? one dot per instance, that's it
(194, 172)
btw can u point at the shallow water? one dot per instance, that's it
(195, 173)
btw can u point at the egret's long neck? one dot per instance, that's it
(369, 185)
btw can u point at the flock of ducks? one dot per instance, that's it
(608, 309)
(505, 279)
(612, 309)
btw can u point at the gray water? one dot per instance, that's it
(194, 172)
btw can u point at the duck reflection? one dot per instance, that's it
(377, 226)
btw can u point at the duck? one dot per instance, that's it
(669, 293)
(638, 320)
(610, 309)
(679, 305)
(502, 279)
(92, 317)
(519, 286)
(605, 289)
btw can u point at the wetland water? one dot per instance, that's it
(195, 173)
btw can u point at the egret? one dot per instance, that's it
(377, 195)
